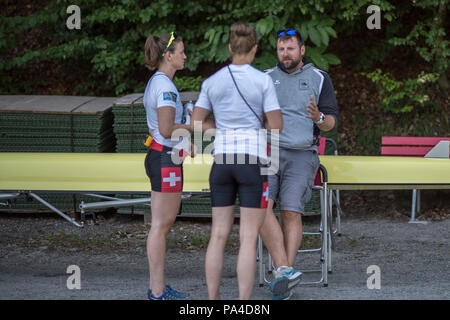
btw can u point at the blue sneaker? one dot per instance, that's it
(182, 295)
(292, 274)
(279, 285)
(169, 294)
(284, 296)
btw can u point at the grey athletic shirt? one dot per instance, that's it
(293, 92)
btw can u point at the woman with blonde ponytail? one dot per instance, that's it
(244, 102)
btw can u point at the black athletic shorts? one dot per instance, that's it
(228, 180)
(164, 174)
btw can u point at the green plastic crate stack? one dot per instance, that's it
(56, 124)
(130, 122)
(201, 206)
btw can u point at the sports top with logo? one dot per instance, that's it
(165, 175)
(161, 92)
(238, 134)
(293, 92)
(237, 126)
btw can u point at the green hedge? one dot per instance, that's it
(107, 52)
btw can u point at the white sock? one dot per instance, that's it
(281, 267)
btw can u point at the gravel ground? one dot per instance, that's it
(36, 251)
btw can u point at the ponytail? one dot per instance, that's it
(242, 38)
(155, 47)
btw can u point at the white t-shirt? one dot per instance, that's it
(238, 129)
(161, 92)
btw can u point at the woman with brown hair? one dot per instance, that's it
(244, 101)
(164, 112)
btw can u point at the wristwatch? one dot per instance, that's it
(321, 119)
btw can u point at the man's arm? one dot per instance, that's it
(314, 114)
(327, 104)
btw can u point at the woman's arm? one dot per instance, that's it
(273, 120)
(200, 114)
(166, 122)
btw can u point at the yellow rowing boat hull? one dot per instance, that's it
(124, 172)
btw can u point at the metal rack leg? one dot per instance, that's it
(62, 214)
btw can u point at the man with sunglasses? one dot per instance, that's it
(308, 105)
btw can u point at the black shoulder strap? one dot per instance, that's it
(232, 77)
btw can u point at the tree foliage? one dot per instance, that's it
(108, 49)
(428, 36)
(400, 96)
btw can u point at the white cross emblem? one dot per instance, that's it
(266, 194)
(173, 179)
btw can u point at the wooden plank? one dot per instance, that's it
(189, 96)
(94, 106)
(136, 98)
(47, 104)
(7, 100)
(127, 100)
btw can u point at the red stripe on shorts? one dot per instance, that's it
(265, 195)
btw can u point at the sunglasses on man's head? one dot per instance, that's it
(289, 32)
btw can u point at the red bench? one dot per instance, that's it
(410, 147)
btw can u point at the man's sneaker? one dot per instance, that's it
(292, 274)
(169, 294)
(279, 285)
(285, 296)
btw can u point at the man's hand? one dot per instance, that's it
(313, 109)
(314, 115)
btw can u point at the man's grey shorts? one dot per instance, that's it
(291, 186)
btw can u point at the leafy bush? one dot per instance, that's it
(188, 83)
(108, 49)
(402, 96)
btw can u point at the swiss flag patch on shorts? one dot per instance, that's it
(171, 179)
(265, 195)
